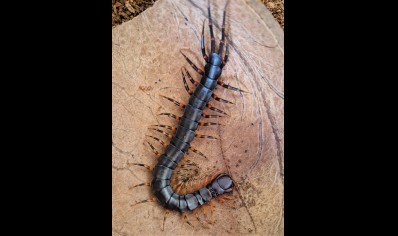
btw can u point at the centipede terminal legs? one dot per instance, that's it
(225, 60)
(221, 45)
(212, 39)
(202, 43)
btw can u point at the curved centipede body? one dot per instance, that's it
(185, 131)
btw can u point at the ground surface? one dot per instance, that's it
(124, 10)
(146, 63)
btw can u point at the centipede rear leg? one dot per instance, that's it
(225, 59)
(221, 45)
(212, 39)
(202, 43)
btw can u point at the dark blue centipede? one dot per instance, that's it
(185, 133)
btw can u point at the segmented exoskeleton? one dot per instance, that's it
(188, 124)
(185, 133)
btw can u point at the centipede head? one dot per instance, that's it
(222, 184)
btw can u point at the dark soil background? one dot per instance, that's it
(124, 10)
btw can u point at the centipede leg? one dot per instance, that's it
(185, 218)
(223, 198)
(153, 149)
(217, 98)
(161, 131)
(138, 185)
(167, 127)
(140, 164)
(227, 86)
(211, 204)
(208, 123)
(195, 212)
(158, 139)
(164, 218)
(186, 84)
(186, 172)
(216, 109)
(205, 136)
(182, 105)
(194, 82)
(210, 116)
(197, 152)
(144, 201)
(203, 208)
(170, 115)
(189, 185)
(192, 64)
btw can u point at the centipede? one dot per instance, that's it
(168, 181)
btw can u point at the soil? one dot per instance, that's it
(125, 10)
(276, 7)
